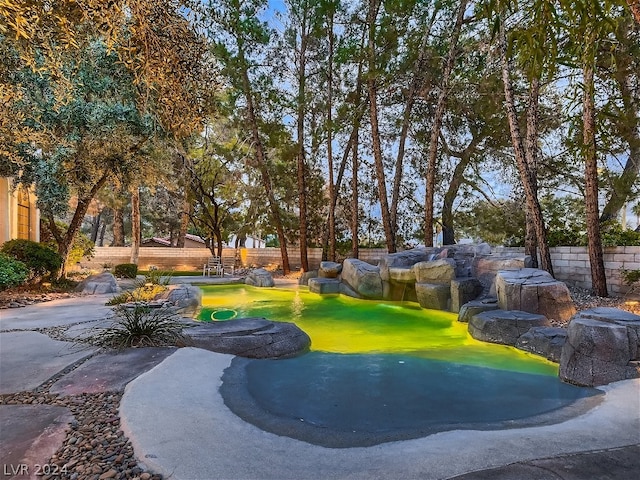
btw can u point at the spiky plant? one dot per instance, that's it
(140, 326)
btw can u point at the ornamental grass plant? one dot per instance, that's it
(140, 326)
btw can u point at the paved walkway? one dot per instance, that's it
(179, 426)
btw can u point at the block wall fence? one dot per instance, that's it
(570, 264)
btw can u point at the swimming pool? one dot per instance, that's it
(379, 371)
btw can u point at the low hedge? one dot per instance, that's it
(126, 270)
(38, 257)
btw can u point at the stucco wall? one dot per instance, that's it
(9, 213)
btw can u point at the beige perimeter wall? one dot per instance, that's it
(571, 264)
(194, 258)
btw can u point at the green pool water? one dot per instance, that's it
(345, 325)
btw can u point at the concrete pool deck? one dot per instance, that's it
(180, 427)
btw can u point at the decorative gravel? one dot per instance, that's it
(95, 448)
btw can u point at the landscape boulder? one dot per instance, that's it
(535, 291)
(474, 307)
(306, 276)
(186, 298)
(440, 271)
(433, 296)
(329, 269)
(504, 326)
(404, 259)
(362, 277)
(544, 341)
(602, 347)
(464, 290)
(259, 278)
(486, 267)
(250, 337)
(101, 283)
(324, 285)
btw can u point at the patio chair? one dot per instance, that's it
(212, 267)
(228, 265)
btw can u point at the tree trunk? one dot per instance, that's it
(416, 83)
(437, 122)
(531, 155)
(359, 113)
(118, 227)
(135, 225)
(301, 164)
(64, 246)
(521, 161)
(634, 6)
(389, 233)
(596, 258)
(332, 192)
(184, 222)
(355, 224)
(628, 124)
(102, 232)
(448, 231)
(95, 227)
(262, 165)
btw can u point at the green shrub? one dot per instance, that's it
(12, 272)
(614, 236)
(143, 293)
(126, 270)
(631, 276)
(39, 258)
(140, 326)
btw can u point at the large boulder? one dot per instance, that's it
(250, 337)
(469, 309)
(306, 276)
(402, 275)
(329, 269)
(102, 283)
(464, 290)
(602, 347)
(186, 298)
(405, 259)
(362, 277)
(486, 267)
(433, 296)
(440, 271)
(544, 341)
(259, 278)
(535, 291)
(504, 326)
(324, 285)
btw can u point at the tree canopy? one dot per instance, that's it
(332, 124)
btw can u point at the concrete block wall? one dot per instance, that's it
(570, 264)
(192, 259)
